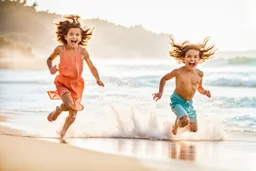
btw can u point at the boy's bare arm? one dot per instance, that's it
(165, 78)
(174, 73)
(200, 88)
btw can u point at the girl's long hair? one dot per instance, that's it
(72, 22)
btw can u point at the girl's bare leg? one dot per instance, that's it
(55, 114)
(66, 106)
(69, 120)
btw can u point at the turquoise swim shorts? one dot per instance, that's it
(183, 107)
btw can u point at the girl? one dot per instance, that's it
(188, 79)
(69, 81)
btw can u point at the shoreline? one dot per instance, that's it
(20, 151)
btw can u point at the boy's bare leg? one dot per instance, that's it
(175, 127)
(69, 120)
(193, 126)
(182, 122)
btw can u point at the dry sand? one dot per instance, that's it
(27, 154)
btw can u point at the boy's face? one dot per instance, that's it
(191, 59)
(73, 37)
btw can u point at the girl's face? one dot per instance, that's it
(73, 37)
(191, 59)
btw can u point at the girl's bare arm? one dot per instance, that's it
(92, 68)
(54, 54)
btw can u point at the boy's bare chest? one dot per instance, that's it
(192, 79)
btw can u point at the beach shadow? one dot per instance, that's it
(181, 150)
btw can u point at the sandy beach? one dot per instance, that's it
(19, 151)
(29, 154)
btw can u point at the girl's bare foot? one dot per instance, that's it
(54, 114)
(49, 118)
(57, 113)
(61, 134)
(63, 141)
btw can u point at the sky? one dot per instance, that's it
(229, 23)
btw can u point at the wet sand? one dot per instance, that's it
(19, 150)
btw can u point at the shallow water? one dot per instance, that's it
(124, 109)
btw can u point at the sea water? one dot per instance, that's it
(124, 108)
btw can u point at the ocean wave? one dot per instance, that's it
(225, 78)
(232, 102)
(232, 82)
(26, 82)
(221, 79)
(240, 123)
(131, 125)
(145, 81)
(242, 61)
(120, 123)
(240, 130)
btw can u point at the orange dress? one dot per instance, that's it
(69, 78)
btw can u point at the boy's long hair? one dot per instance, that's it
(179, 51)
(72, 22)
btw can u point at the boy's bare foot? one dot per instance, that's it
(54, 114)
(175, 129)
